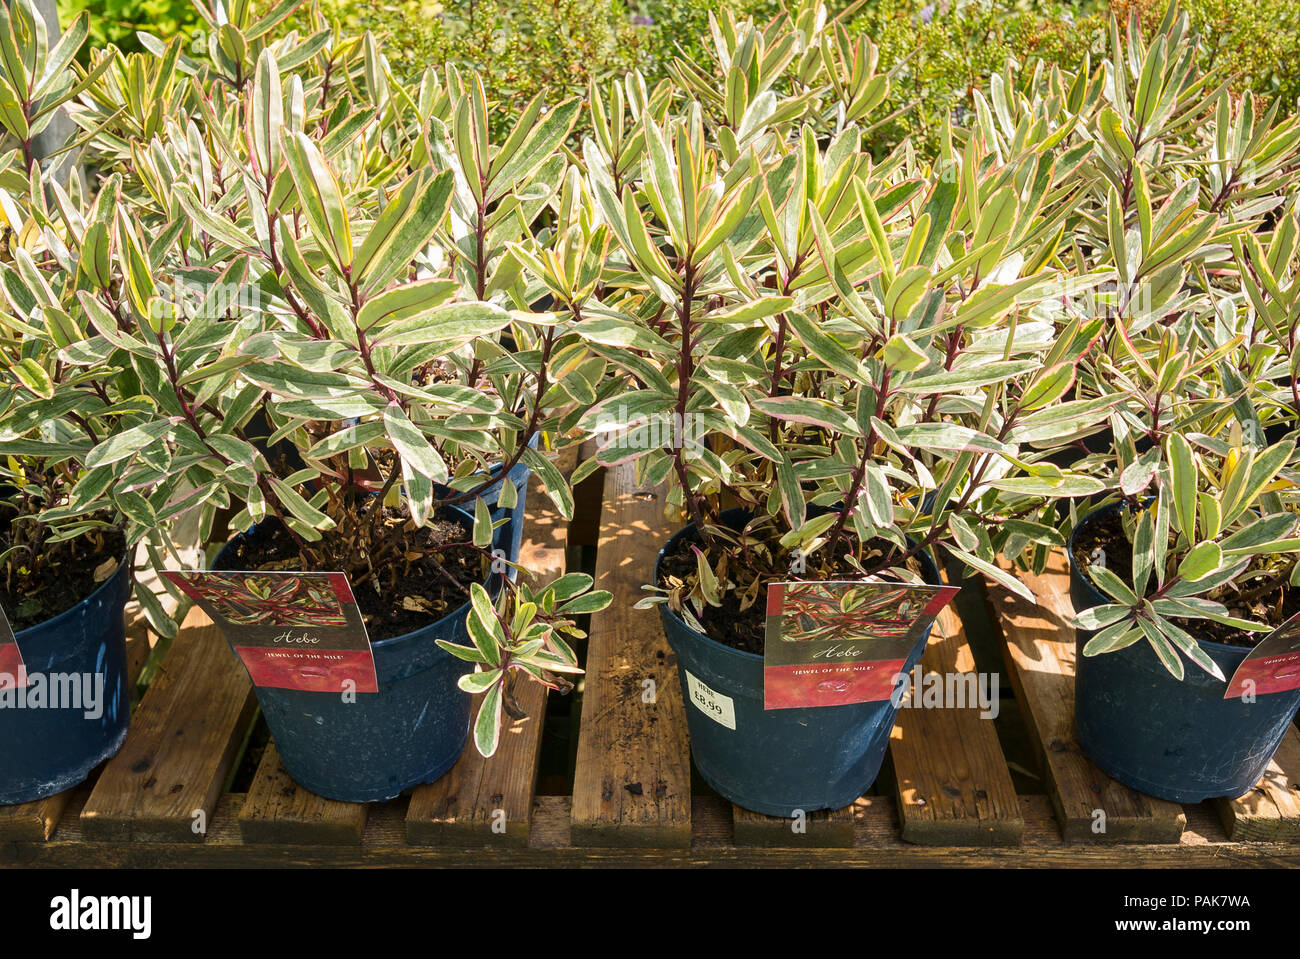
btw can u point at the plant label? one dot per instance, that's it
(292, 630)
(836, 643)
(721, 709)
(1273, 666)
(13, 675)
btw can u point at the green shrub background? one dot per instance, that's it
(116, 21)
(946, 48)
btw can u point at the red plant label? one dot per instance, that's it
(292, 630)
(1273, 666)
(836, 643)
(13, 675)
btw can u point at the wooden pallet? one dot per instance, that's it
(1092, 807)
(945, 798)
(876, 844)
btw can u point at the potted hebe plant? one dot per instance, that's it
(65, 569)
(337, 321)
(1200, 564)
(1175, 223)
(64, 699)
(825, 367)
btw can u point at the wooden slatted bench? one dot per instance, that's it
(876, 843)
(946, 796)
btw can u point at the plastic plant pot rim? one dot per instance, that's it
(739, 654)
(1101, 599)
(392, 642)
(495, 471)
(55, 621)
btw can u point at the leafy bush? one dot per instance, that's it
(944, 50)
(899, 342)
(276, 252)
(671, 28)
(525, 45)
(519, 47)
(1183, 242)
(1257, 42)
(116, 21)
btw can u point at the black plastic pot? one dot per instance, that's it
(46, 750)
(509, 537)
(1177, 740)
(411, 732)
(773, 761)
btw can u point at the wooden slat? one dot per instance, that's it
(485, 800)
(139, 640)
(587, 498)
(826, 828)
(33, 821)
(632, 786)
(1040, 651)
(1271, 811)
(184, 737)
(278, 810)
(38, 820)
(877, 845)
(953, 784)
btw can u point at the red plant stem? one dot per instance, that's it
(685, 371)
(268, 491)
(378, 506)
(526, 436)
(859, 474)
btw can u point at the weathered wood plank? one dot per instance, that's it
(587, 497)
(952, 782)
(487, 800)
(183, 740)
(139, 642)
(33, 820)
(278, 810)
(1040, 651)
(632, 786)
(1271, 811)
(877, 845)
(822, 829)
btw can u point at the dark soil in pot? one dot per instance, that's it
(1105, 530)
(425, 578)
(68, 573)
(745, 628)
